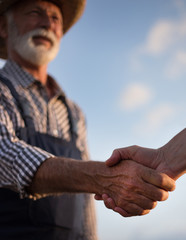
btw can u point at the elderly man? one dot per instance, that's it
(43, 151)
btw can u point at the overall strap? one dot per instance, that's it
(14, 93)
(73, 122)
(26, 115)
(22, 105)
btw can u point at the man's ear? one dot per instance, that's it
(3, 27)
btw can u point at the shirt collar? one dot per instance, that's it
(19, 76)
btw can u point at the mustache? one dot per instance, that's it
(43, 33)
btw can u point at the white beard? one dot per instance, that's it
(25, 47)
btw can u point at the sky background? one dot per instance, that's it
(124, 63)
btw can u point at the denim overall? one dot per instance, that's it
(50, 218)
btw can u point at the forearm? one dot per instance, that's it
(170, 159)
(174, 155)
(59, 175)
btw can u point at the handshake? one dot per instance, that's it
(141, 176)
(131, 181)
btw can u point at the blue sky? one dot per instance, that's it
(124, 63)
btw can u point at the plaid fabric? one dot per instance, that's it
(18, 160)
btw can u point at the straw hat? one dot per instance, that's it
(71, 9)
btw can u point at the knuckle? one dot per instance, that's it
(140, 212)
(154, 204)
(131, 188)
(163, 178)
(147, 204)
(107, 204)
(163, 195)
(124, 213)
(173, 186)
(166, 196)
(115, 151)
(121, 203)
(134, 209)
(116, 154)
(134, 146)
(166, 182)
(145, 212)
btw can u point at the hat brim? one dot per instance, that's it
(72, 10)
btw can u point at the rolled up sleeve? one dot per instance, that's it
(18, 160)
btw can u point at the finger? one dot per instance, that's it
(144, 202)
(109, 203)
(126, 214)
(122, 212)
(152, 192)
(160, 180)
(133, 209)
(98, 197)
(120, 154)
(106, 202)
(114, 158)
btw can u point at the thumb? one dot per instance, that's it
(117, 156)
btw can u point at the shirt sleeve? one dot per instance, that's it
(18, 160)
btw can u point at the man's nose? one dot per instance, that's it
(45, 22)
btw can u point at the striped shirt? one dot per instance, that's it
(18, 160)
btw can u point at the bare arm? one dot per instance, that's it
(128, 183)
(169, 159)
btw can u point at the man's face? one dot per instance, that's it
(35, 30)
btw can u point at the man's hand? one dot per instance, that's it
(169, 159)
(133, 189)
(148, 157)
(152, 158)
(145, 157)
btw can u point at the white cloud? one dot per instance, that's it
(159, 38)
(156, 118)
(167, 39)
(135, 96)
(164, 35)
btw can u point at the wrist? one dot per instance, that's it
(60, 175)
(81, 176)
(94, 177)
(174, 155)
